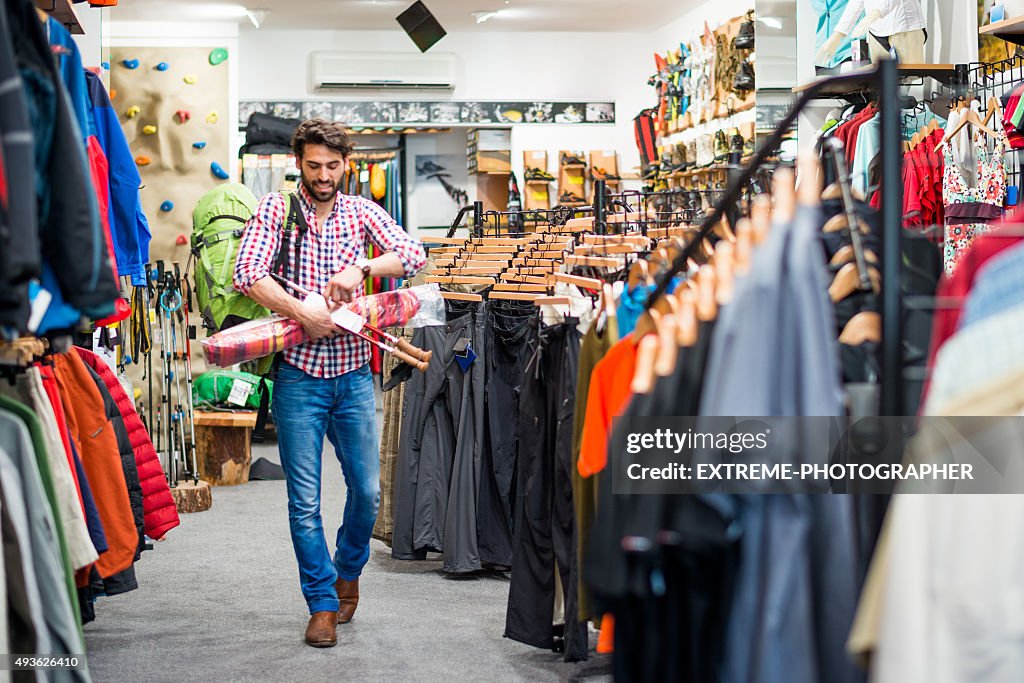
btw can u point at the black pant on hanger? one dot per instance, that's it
(544, 520)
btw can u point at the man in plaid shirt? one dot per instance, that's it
(324, 387)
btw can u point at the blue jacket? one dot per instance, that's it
(129, 228)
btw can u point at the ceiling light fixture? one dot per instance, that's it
(484, 15)
(257, 16)
(771, 22)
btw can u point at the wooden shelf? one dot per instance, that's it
(1010, 30)
(940, 72)
(64, 12)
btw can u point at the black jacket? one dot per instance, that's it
(69, 228)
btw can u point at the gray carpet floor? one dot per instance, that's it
(219, 600)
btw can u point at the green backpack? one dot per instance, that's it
(213, 389)
(217, 223)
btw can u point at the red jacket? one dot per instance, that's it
(160, 513)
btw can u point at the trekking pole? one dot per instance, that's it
(178, 364)
(189, 404)
(172, 478)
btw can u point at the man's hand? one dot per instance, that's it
(341, 287)
(316, 320)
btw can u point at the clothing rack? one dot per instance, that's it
(885, 79)
(994, 79)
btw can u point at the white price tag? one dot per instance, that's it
(364, 176)
(348, 320)
(240, 390)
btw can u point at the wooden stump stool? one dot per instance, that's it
(191, 497)
(222, 446)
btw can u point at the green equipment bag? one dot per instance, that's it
(213, 389)
(217, 223)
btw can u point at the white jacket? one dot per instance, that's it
(898, 16)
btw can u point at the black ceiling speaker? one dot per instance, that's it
(421, 26)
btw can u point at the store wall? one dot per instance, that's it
(491, 66)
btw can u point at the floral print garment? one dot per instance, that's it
(990, 189)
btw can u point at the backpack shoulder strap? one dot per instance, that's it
(295, 218)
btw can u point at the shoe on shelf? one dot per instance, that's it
(600, 174)
(570, 198)
(736, 144)
(744, 81)
(650, 172)
(721, 147)
(572, 160)
(744, 39)
(539, 174)
(320, 632)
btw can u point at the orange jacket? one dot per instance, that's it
(97, 446)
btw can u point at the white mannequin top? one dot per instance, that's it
(898, 16)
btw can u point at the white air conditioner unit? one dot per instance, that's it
(381, 71)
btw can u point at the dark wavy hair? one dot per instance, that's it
(321, 132)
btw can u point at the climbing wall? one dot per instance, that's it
(173, 105)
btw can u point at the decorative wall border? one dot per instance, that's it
(434, 113)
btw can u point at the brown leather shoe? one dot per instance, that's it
(348, 596)
(320, 631)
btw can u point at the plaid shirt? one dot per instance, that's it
(326, 251)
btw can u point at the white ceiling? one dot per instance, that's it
(454, 15)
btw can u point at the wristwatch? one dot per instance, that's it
(363, 264)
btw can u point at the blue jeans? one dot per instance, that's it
(343, 408)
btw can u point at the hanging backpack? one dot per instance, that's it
(217, 223)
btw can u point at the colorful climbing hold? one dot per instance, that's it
(130, 63)
(212, 117)
(105, 65)
(149, 130)
(143, 161)
(218, 55)
(183, 115)
(133, 111)
(200, 144)
(167, 205)
(181, 240)
(218, 171)
(163, 66)
(191, 79)
(113, 93)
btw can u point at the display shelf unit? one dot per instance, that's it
(572, 178)
(944, 73)
(536, 193)
(1010, 30)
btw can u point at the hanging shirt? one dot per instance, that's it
(607, 398)
(971, 208)
(898, 16)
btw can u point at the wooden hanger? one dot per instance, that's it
(643, 375)
(596, 261)
(846, 282)
(846, 255)
(707, 305)
(552, 301)
(461, 296)
(993, 107)
(668, 349)
(686, 316)
(840, 222)
(459, 280)
(593, 284)
(970, 117)
(866, 326)
(724, 272)
(515, 296)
